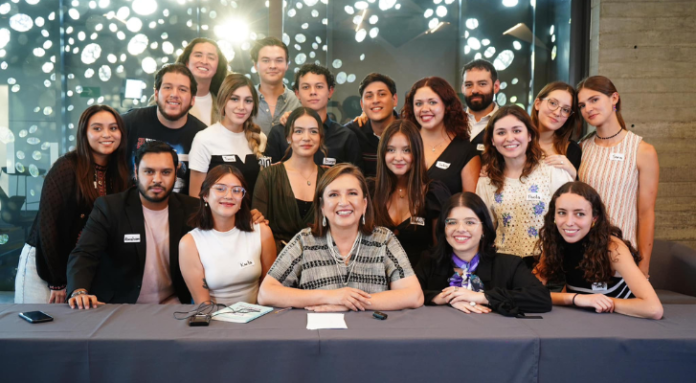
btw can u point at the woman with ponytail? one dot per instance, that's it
(619, 165)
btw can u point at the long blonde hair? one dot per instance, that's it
(252, 131)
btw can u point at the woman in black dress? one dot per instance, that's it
(465, 272)
(406, 200)
(433, 105)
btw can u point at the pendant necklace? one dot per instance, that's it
(357, 242)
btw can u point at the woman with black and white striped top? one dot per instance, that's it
(582, 251)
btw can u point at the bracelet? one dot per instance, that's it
(56, 288)
(76, 293)
(576, 294)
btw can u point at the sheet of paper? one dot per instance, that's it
(321, 321)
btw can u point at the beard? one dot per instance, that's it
(477, 106)
(172, 117)
(143, 192)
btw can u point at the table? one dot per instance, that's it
(144, 343)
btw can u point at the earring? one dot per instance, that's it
(323, 221)
(206, 204)
(614, 108)
(288, 142)
(363, 219)
(593, 223)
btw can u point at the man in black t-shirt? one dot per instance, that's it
(314, 85)
(168, 121)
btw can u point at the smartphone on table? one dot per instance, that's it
(35, 316)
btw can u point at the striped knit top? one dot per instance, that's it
(573, 254)
(613, 172)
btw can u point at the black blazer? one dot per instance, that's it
(509, 285)
(107, 266)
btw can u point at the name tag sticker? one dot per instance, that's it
(599, 286)
(329, 161)
(420, 221)
(616, 157)
(533, 197)
(442, 165)
(480, 147)
(246, 263)
(131, 238)
(183, 157)
(229, 159)
(265, 162)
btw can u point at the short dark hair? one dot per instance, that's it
(203, 218)
(175, 68)
(481, 64)
(155, 147)
(316, 69)
(268, 42)
(377, 77)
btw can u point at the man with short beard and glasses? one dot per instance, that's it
(128, 251)
(168, 121)
(480, 84)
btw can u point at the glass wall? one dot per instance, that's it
(59, 56)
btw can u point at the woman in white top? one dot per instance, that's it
(225, 257)
(235, 140)
(518, 186)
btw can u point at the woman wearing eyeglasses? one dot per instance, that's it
(226, 256)
(465, 272)
(555, 115)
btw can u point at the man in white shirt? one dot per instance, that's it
(480, 84)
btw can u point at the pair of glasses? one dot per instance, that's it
(221, 190)
(554, 105)
(468, 223)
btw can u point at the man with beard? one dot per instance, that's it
(377, 99)
(480, 84)
(168, 121)
(128, 251)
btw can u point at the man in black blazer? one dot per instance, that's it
(113, 262)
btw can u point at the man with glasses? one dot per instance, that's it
(480, 84)
(128, 251)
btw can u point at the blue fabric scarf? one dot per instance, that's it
(467, 279)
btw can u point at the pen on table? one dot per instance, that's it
(283, 310)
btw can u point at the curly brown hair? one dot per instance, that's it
(597, 259)
(494, 162)
(456, 122)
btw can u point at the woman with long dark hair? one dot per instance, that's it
(582, 251)
(406, 200)
(433, 105)
(555, 114)
(518, 185)
(95, 168)
(225, 257)
(464, 270)
(621, 166)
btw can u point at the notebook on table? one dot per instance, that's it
(241, 312)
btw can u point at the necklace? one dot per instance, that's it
(401, 193)
(353, 260)
(436, 146)
(309, 183)
(609, 138)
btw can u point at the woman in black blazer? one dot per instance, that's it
(465, 272)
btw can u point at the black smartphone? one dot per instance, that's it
(35, 316)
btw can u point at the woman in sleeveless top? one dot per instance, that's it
(284, 192)
(225, 257)
(95, 168)
(235, 140)
(583, 252)
(555, 114)
(406, 200)
(518, 185)
(619, 165)
(433, 105)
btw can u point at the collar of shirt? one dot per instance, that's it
(282, 96)
(472, 119)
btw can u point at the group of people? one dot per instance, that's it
(225, 191)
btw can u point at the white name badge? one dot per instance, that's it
(599, 286)
(329, 161)
(533, 197)
(265, 162)
(229, 158)
(420, 221)
(246, 264)
(183, 157)
(442, 165)
(617, 157)
(480, 147)
(131, 238)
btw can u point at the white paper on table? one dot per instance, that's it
(320, 321)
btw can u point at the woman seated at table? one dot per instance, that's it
(406, 200)
(224, 258)
(343, 262)
(284, 193)
(582, 251)
(465, 271)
